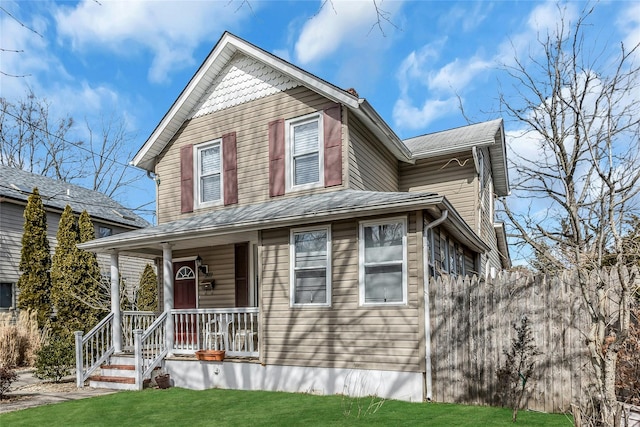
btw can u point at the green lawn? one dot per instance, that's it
(180, 407)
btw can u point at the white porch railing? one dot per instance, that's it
(93, 349)
(132, 320)
(149, 348)
(234, 330)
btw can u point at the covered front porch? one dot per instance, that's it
(145, 336)
(207, 300)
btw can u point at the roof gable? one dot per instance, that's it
(196, 96)
(243, 79)
(17, 184)
(486, 134)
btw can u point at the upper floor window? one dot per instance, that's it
(208, 169)
(305, 152)
(311, 266)
(383, 261)
(104, 231)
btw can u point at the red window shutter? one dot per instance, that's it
(230, 168)
(332, 128)
(276, 158)
(186, 179)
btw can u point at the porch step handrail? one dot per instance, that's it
(149, 348)
(93, 349)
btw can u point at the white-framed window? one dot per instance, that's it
(383, 261)
(460, 263)
(310, 266)
(208, 167)
(444, 254)
(104, 231)
(304, 142)
(431, 252)
(453, 268)
(185, 273)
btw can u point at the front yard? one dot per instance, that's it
(181, 407)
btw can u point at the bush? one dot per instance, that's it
(19, 340)
(55, 360)
(518, 368)
(7, 377)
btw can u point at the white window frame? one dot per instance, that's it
(431, 251)
(293, 269)
(444, 254)
(197, 149)
(361, 260)
(290, 170)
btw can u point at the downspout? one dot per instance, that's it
(427, 314)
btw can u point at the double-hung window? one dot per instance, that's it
(209, 177)
(383, 262)
(305, 152)
(311, 266)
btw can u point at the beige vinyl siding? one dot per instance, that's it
(371, 166)
(451, 176)
(344, 335)
(12, 227)
(250, 121)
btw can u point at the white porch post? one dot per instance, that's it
(167, 286)
(115, 303)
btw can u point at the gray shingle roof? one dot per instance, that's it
(18, 184)
(303, 209)
(454, 139)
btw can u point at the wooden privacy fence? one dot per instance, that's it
(472, 323)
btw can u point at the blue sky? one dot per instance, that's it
(96, 58)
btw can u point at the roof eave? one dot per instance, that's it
(122, 241)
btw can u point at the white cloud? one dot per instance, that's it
(465, 17)
(170, 30)
(407, 116)
(629, 23)
(340, 22)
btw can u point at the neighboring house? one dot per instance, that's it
(299, 233)
(108, 217)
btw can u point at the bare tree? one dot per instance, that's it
(33, 139)
(581, 106)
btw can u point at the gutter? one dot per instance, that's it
(427, 313)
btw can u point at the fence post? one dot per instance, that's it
(137, 343)
(79, 361)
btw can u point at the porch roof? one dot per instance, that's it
(288, 211)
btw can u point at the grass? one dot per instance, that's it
(181, 407)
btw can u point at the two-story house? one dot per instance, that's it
(108, 216)
(298, 232)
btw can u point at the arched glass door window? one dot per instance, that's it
(185, 273)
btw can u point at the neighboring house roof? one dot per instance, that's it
(308, 209)
(193, 96)
(487, 134)
(17, 185)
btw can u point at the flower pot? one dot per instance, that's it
(210, 355)
(163, 381)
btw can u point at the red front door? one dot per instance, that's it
(184, 296)
(184, 284)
